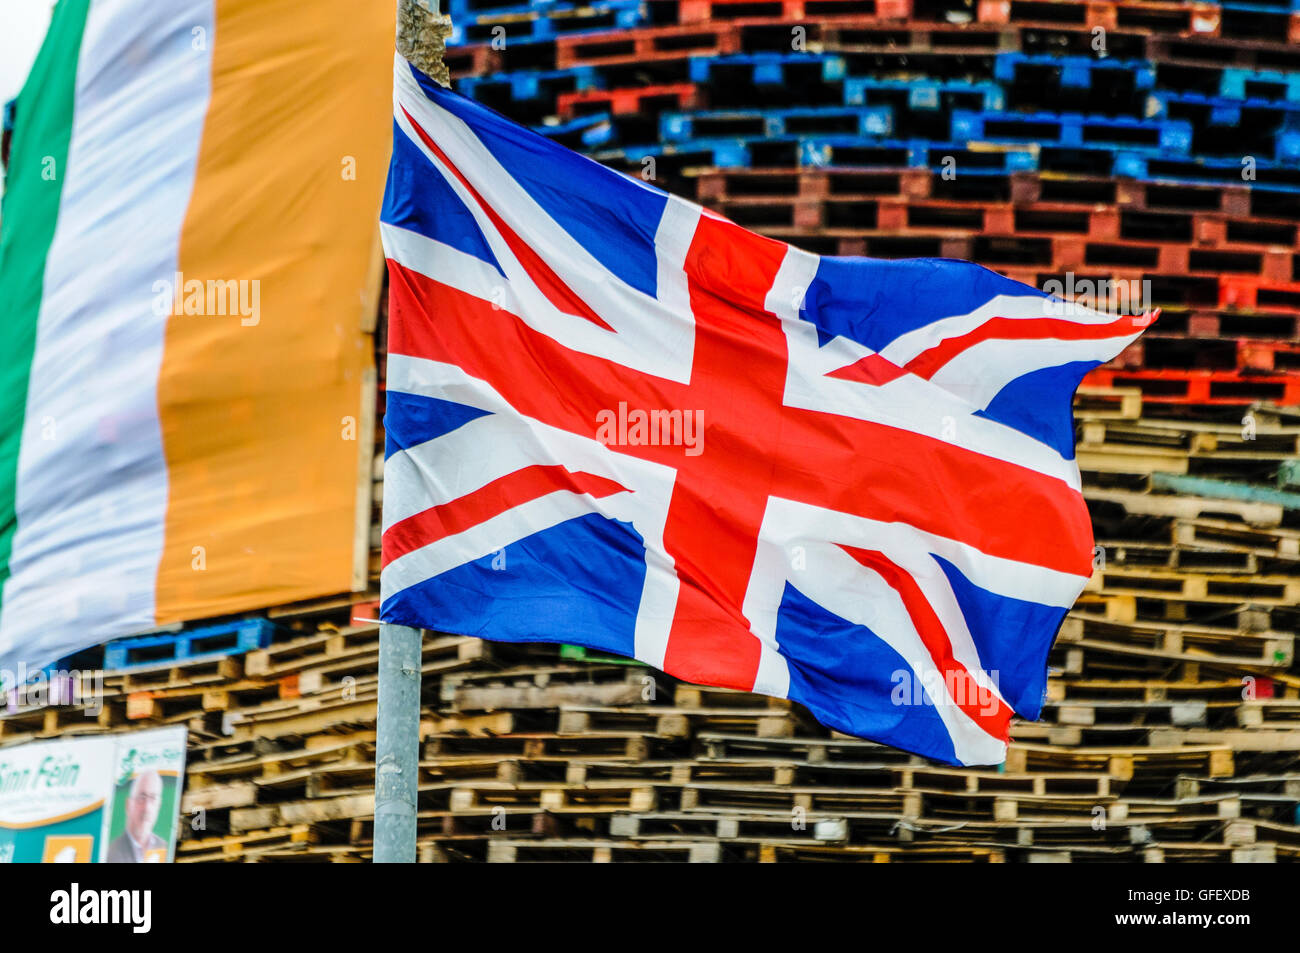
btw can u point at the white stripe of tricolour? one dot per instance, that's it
(488, 448)
(651, 335)
(92, 481)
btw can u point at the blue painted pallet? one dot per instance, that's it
(842, 151)
(1223, 111)
(226, 638)
(1287, 152)
(769, 69)
(528, 24)
(1228, 113)
(593, 130)
(923, 94)
(525, 86)
(468, 9)
(1169, 136)
(1269, 85)
(723, 153)
(1281, 7)
(1076, 72)
(1268, 176)
(869, 121)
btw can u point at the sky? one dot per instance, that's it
(23, 28)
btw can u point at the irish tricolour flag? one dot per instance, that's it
(188, 273)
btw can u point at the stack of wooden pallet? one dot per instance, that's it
(1171, 729)
(1148, 144)
(996, 131)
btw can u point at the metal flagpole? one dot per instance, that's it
(397, 742)
(421, 32)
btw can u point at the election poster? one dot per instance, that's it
(101, 798)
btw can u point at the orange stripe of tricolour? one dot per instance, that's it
(256, 410)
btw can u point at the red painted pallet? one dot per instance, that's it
(1087, 193)
(1214, 230)
(1253, 355)
(1133, 195)
(1256, 325)
(826, 30)
(717, 185)
(1267, 265)
(879, 245)
(629, 101)
(903, 40)
(911, 39)
(1214, 52)
(1174, 351)
(1221, 388)
(475, 60)
(632, 46)
(1271, 240)
(817, 217)
(1244, 292)
(1202, 19)
(706, 11)
(1228, 199)
(1000, 218)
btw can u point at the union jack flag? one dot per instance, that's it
(618, 420)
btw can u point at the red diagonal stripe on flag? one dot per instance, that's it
(872, 369)
(875, 369)
(548, 282)
(981, 705)
(513, 489)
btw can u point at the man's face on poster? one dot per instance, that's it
(142, 805)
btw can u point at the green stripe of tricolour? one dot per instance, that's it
(38, 160)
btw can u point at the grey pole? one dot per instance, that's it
(397, 744)
(420, 33)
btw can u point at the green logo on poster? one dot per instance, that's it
(128, 767)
